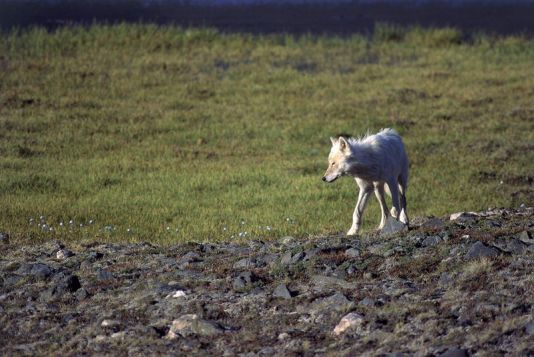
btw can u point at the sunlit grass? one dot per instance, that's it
(164, 134)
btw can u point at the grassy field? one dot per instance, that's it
(139, 132)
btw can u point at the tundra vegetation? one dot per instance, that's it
(164, 134)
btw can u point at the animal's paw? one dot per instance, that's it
(352, 231)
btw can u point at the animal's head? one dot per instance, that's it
(337, 159)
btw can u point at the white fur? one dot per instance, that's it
(378, 163)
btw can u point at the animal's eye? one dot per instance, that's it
(333, 163)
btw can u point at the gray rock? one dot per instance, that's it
(433, 222)
(191, 324)
(286, 258)
(243, 280)
(337, 302)
(368, 302)
(431, 241)
(352, 253)
(529, 328)
(516, 246)
(37, 270)
(393, 226)
(81, 294)
(455, 352)
(526, 237)
(4, 238)
(244, 263)
(189, 257)
(282, 291)
(103, 274)
(480, 250)
(297, 257)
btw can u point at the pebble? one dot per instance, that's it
(352, 253)
(64, 254)
(4, 238)
(392, 227)
(282, 291)
(431, 241)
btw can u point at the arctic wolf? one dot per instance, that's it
(378, 163)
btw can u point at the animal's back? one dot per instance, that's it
(390, 147)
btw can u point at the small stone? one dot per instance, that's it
(109, 323)
(287, 240)
(286, 258)
(283, 336)
(243, 280)
(176, 294)
(431, 241)
(4, 238)
(463, 216)
(282, 291)
(118, 335)
(351, 320)
(297, 257)
(190, 257)
(191, 324)
(352, 253)
(454, 352)
(368, 302)
(529, 328)
(64, 254)
(480, 250)
(393, 226)
(81, 294)
(526, 237)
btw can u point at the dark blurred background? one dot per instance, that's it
(331, 17)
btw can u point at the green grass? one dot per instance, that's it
(147, 127)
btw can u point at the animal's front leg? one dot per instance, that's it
(363, 197)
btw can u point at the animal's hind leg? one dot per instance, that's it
(403, 216)
(379, 192)
(394, 189)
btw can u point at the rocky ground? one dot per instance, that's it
(451, 286)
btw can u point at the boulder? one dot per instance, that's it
(352, 320)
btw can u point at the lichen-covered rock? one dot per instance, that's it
(191, 324)
(352, 320)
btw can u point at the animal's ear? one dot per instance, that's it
(343, 144)
(333, 140)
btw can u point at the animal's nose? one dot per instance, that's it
(324, 178)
